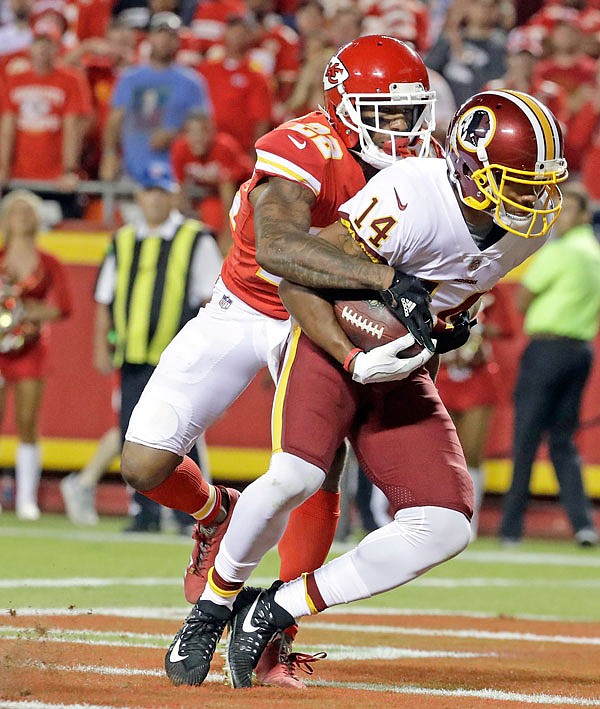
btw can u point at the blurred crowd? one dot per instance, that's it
(83, 82)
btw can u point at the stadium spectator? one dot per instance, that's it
(149, 106)
(103, 59)
(154, 277)
(93, 19)
(407, 20)
(519, 75)
(472, 53)
(45, 109)
(560, 297)
(317, 48)
(276, 51)
(567, 64)
(241, 95)
(209, 167)
(210, 20)
(344, 25)
(16, 34)
(583, 138)
(34, 292)
(470, 384)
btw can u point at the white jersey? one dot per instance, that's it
(407, 216)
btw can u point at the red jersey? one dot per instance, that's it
(40, 104)
(305, 150)
(224, 161)
(236, 91)
(581, 71)
(47, 283)
(210, 19)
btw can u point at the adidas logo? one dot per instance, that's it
(408, 306)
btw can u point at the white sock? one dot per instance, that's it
(261, 515)
(418, 539)
(478, 485)
(27, 474)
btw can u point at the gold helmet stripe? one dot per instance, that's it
(548, 141)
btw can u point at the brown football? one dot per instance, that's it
(370, 323)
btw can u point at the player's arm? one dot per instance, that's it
(284, 247)
(316, 317)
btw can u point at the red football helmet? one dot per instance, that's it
(371, 83)
(500, 146)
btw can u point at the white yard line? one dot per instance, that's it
(429, 582)
(178, 613)
(487, 693)
(503, 556)
(97, 637)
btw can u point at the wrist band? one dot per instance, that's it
(350, 357)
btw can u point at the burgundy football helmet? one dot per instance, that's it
(504, 144)
(366, 83)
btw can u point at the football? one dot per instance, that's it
(370, 323)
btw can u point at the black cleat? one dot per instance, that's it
(188, 658)
(252, 626)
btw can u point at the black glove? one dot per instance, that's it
(455, 337)
(409, 300)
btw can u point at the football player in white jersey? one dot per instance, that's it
(458, 224)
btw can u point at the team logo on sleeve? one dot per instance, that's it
(335, 74)
(476, 128)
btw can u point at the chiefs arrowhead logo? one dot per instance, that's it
(335, 74)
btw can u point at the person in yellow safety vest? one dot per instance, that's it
(154, 277)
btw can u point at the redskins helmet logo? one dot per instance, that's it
(335, 74)
(476, 128)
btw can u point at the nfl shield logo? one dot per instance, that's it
(225, 302)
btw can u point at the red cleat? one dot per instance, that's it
(208, 540)
(278, 664)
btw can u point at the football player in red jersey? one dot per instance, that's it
(378, 108)
(490, 205)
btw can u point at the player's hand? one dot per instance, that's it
(456, 336)
(382, 364)
(409, 300)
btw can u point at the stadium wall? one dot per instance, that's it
(77, 402)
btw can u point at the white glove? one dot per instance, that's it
(381, 364)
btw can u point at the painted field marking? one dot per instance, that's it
(500, 695)
(85, 635)
(336, 653)
(171, 613)
(429, 582)
(502, 556)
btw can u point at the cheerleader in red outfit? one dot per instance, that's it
(470, 384)
(33, 292)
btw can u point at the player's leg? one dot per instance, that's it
(28, 399)
(307, 432)
(533, 402)
(300, 422)
(575, 361)
(412, 453)
(204, 369)
(314, 521)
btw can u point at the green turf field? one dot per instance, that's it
(51, 564)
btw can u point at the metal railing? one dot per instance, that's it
(108, 191)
